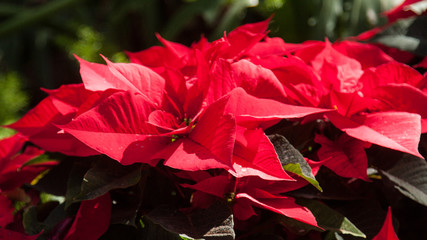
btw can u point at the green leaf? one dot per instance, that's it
(156, 231)
(55, 213)
(329, 219)
(105, 176)
(215, 222)
(30, 222)
(292, 160)
(410, 177)
(298, 170)
(74, 183)
(55, 216)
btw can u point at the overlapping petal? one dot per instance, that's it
(111, 126)
(395, 130)
(254, 155)
(247, 196)
(346, 156)
(279, 204)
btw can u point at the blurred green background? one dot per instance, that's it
(38, 37)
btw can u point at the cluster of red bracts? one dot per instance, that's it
(206, 107)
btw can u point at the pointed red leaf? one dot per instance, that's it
(35, 120)
(250, 110)
(6, 211)
(217, 186)
(346, 156)
(98, 77)
(9, 147)
(389, 73)
(422, 64)
(69, 98)
(403, 97)
(255, 80)
(92, 219)
(113, 124)
(122, 76)
(387, 231)
(279, 204)
(185, 154)
(254, 155)
(367, 55)
(176, 49)
(15, 162)
(243, 38)
(156, 58)
(145, 150)
(58, 108)
(395, 130)
(216, 132)
(139, 78)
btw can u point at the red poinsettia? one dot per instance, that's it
(363, 94)
(145, 117)
(183, 106)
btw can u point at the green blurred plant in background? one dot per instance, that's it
(12, 100)
(39, 37)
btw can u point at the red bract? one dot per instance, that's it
(408, 8)
(13, 169)
(254, 155)
(249, 192)
(346, 156)
(58, 108)
(92, 219)
(6, 211)
(387, 231)
(14, 172)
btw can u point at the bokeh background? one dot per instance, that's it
(39, 37)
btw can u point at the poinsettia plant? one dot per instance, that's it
(245, 137)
